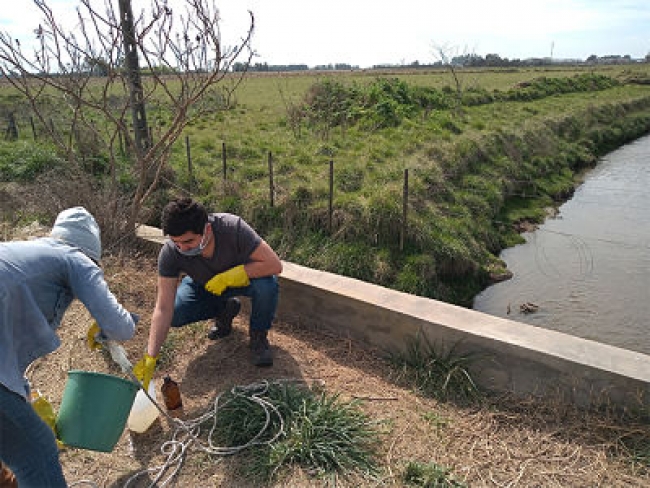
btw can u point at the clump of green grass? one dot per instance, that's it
(429, 475)
(436, 372)
(638, 448)
(23, 161)
(317, 432)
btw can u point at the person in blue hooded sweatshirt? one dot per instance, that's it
(39, 279)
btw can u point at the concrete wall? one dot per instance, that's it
(510, 356)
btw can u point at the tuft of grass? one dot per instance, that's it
(434, 419)
(429, 475)
(436, 372)
(316, 432)
(638, 448)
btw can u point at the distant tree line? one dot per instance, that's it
(97, 66)
(494, 60)
(466, 60)
(265, 67)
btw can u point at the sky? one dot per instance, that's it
(365, 33)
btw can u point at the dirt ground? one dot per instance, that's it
(503, 443)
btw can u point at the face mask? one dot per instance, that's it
(195, 251)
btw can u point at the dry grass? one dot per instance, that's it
(502, 443)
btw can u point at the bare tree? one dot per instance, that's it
(83, 83)
(446, 56)
(295, 111)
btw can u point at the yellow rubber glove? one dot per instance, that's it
(143, 370)
(232, 278)
(45, 411)
(91, 336)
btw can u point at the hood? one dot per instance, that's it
(78, 228)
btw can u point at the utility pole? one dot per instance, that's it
(139, 114)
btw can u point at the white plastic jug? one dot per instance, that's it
(143, 412)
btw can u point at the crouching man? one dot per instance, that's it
(222, 258)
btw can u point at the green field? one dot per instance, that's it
(484, 150)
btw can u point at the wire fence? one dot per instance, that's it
(527, 188)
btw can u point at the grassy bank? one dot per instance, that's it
(475, 171)
(484, 151)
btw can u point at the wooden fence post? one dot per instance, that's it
(223, 158)
(271, 186)
(11, 134)
(189, 164)
(331, 200)
(405, 204)
(31, 121)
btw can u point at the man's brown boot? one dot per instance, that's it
(261, 354)
(222, 326)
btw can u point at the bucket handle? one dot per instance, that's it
(118, 354)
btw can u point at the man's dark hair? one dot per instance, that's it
(183, 215)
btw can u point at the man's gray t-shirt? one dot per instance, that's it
(234, 240)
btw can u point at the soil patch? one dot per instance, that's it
(503, 442)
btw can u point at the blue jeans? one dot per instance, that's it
(27, 444)
(194, 303)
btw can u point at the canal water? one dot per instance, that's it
(586, 271)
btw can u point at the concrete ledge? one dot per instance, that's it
(511, 356)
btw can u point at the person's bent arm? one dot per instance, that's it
(90, 287)
(163, 313)
(263, 262)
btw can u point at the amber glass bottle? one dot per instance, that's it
(172, 395)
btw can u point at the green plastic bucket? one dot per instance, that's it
(94, 410)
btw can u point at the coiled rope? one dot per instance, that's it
(185, 433)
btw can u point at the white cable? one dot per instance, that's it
(87, 482)
(186, 432)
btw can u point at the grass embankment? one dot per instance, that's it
(476, 169)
